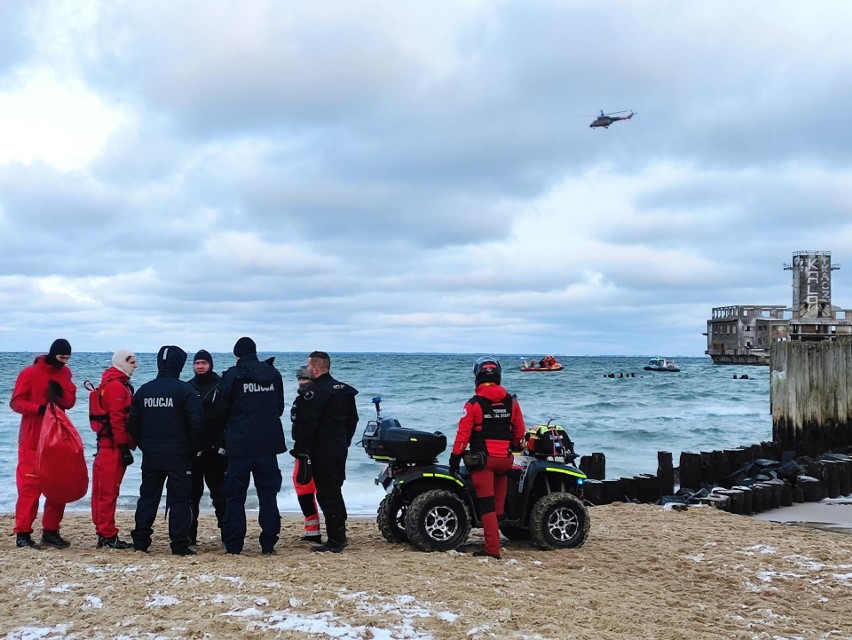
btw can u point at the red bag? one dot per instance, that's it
(60, 462)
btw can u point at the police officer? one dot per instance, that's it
(493, 425)
(326, 419)
(251, 396)
(165, 421)
(303, 477)
(210, 466)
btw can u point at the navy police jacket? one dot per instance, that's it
(326, 417)
(251, 397)
(166, 416)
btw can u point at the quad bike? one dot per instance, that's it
(434, 510)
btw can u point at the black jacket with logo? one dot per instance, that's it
(166, 416)
(251, 399)
(326, 417)
(214, 423)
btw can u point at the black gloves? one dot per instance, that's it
(455, 461)
(41, 409)
(126, 455)
(54, 391)
(305, 473)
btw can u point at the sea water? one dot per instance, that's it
(628, 417)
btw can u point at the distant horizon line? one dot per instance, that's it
(403, 353)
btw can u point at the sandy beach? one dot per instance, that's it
(644, 572)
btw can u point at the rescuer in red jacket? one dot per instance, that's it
(47, 380)
(492, 424)
(109, 406)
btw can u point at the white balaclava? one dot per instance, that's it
(119, 361)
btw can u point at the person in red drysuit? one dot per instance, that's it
(305, 490)
(109, 406)
(492, 423)
(47, 380)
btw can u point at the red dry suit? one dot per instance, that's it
(488, 423)
(114, 396)
(306, 495)
(30, 393)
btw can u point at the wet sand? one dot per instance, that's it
(644, 572)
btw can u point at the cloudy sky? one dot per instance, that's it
(415, 176)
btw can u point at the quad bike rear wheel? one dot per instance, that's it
(559, 521)
(391, 518)
(437, 520)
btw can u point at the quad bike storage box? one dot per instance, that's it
(386, 439)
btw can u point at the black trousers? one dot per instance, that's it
(209, 467)
(178, 488)
(329, 473)
(267, 482)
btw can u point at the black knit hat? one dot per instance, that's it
(204, 355)
(244, 347)
(60, 347)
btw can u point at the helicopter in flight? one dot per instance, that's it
(606, 119)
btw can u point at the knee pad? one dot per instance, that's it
(486, 505)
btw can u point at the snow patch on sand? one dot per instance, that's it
(397, 612)
(161, 600)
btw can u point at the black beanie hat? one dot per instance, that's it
(244, 346)
(204, 355)
(60, 347)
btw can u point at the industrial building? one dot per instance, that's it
(743, 334)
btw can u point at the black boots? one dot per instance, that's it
(329, 546)
(25, 541)
(334, 546)
(53, 539)
(113, 543)
(335, 537)
(183, 552)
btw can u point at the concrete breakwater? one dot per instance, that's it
(744, 480)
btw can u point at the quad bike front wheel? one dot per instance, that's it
(391, 518)
(437, 520)
(559, 521)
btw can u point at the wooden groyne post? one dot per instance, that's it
(810, 396)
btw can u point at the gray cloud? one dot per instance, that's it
(395, 178)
